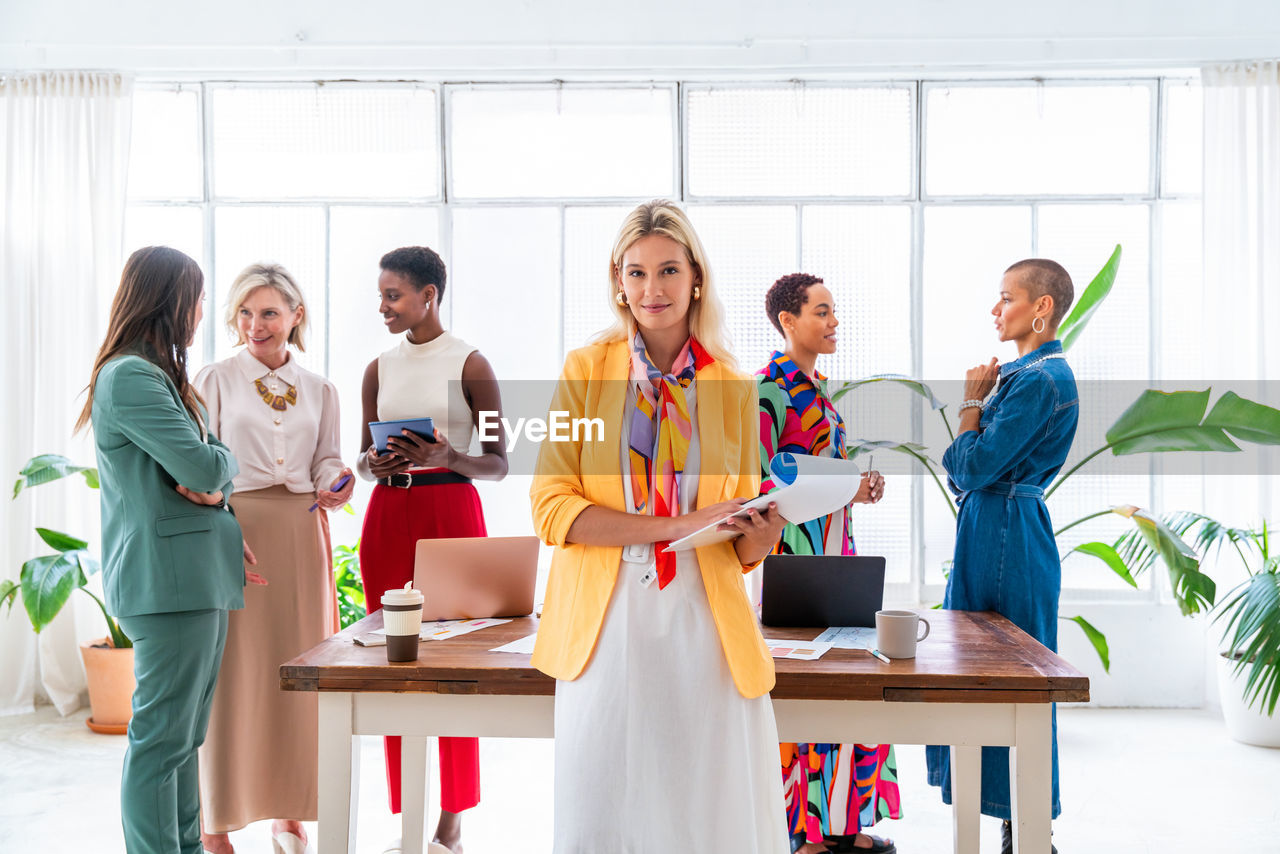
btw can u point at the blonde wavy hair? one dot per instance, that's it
(706, 314)
(267, 276)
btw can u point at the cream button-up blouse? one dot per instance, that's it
(297, 446)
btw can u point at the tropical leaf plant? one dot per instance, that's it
(1090, 301)
(46, 582)
(50, 467)
(1156, 422)
(346, 579)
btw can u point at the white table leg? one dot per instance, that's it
(1031, 778)
(339, 760)
(413, 792)
(966, 798)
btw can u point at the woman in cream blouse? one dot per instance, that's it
(281, 422)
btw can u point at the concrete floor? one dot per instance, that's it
(1133, 781)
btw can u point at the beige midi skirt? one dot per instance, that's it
(259, 756)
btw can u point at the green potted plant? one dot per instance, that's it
(1156, 422)
(46, 582)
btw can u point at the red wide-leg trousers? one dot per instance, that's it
(393, 523)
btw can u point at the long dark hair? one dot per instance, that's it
(154, 313)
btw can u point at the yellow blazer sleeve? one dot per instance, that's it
(557, 496)
(749, 452)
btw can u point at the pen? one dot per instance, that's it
(342, 481)
(880, 655)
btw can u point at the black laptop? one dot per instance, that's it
(822, 590)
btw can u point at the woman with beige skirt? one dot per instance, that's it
(281, 422)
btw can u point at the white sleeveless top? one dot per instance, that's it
(425, 381)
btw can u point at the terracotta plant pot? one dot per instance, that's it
(110, 675)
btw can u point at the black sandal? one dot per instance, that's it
(1006, 839)
(848, 845)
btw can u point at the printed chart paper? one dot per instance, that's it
(849, 637)
(802, 650)
(812, 487)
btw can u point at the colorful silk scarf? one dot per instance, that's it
(661, 428)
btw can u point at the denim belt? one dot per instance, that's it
(404, 480)
(1013, 490)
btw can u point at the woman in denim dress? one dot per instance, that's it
(1006, 452)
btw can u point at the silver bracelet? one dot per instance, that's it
(971, 403)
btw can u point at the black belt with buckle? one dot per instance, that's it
(404, 480)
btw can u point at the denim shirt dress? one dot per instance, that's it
(1006, 558)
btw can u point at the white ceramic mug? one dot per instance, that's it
(898, 632)
(402, 618)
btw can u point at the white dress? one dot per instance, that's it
(655, 750)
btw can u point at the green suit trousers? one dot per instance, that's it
(175, 659)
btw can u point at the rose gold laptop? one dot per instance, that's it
(466, 578)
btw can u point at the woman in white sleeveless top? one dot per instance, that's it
(424, 489)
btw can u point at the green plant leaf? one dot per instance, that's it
(1192, 589)
(1108, 555)
(50, 467)
(1167, 421)
(60, 541)
(1082, 312)
(1253, 628)
(901, 379)
(1246, 420)
(1097, 638)
(47, 582)
(8, 592)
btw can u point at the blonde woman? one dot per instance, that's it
(665, 735)
(281, 422)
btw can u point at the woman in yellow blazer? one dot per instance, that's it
(665, 736)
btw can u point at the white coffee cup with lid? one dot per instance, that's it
(402, 619)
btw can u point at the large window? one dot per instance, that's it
(908, 197)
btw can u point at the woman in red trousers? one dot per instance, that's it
(424, 489)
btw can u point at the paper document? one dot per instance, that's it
(523, 646)
(436, 630)
(803, 650)
(849, 637)
(812, 487)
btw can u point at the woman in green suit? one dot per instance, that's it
(172, 555)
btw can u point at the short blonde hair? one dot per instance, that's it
(706, 314)
(267, 276)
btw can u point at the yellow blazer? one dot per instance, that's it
(572, 476)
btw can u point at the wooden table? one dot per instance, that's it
(977, 680)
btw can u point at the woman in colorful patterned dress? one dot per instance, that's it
(833, 791)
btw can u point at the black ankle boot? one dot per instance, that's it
(1006, 839)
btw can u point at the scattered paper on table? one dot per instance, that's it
(436, 630)
(811, 487)
(523, 646)
(802, 650)
(849, 637)
(445, 629)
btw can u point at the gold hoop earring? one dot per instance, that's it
(697, 292)
(620, 298)
(1033, 325)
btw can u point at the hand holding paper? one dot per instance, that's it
(812, 487)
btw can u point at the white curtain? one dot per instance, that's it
(1242, 251)
(64, 145)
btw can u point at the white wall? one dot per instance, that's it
(587, 38)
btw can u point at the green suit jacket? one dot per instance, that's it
(160, 552)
